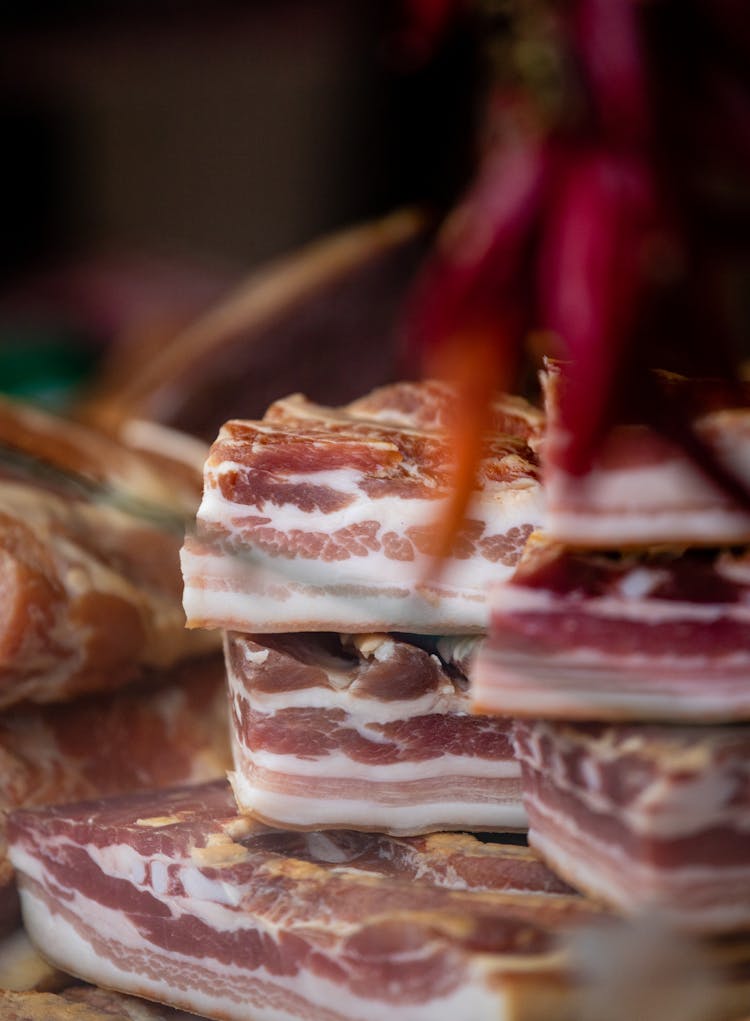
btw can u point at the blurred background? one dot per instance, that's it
(157, 152)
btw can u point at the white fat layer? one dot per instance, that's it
(258, 600)
(501, 508)
(339, 765)
(498, 503)
(704, 897)
(363, 711)
(299, 812)
(517, 599)
(61, 942)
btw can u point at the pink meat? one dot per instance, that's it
(102, 745)
(372, 733)
(320, 519)
(643, 489)
(177, 898)
(648, 818)
(585, 636)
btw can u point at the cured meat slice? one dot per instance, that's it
(432, 405)
(648, 818)
(177, 898)
(324, 520)
(367, 732)
(121, 472)
(134, 740)
(642, 488)
(584, 636)
(84, 1003)
(90, 597)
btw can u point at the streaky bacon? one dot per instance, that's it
(320, 519)
(177, 898)
(581, 635)
(648, 818)
(366, 732)
(644, 489)
(173, 732)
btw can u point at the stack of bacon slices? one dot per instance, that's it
(325, 883)
(626, 628)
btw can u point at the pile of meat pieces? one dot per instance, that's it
(102, 691)
(370, 716)
(626, 628)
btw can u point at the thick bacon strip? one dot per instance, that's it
(327, 520)
(177, 898)
(103, 745)
(650, 637)
(368, 733)
(648, 818)
(644, 489)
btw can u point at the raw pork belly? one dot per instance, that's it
(320, 519)
(103, 745)
(651, 637)
(643, 489)
(369, 732)
(649, 818)
(178, 899)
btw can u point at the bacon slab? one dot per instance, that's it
(369, 732)
(583, 636)
(646, 817)
(179, 899)
(643, 489)
(102, 745)
(321, 519)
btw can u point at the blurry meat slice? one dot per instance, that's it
(648, 818)
(322, 321)
(643, 489)
(661, 636)
(432, 405)
(368, 733)
(175, 897)
(134, 740)
(90, 597)
(320, 519)
(84, 1003)
(68, 457)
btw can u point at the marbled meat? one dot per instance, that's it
(319, 519)
(177, 898)
(655, 636)
(365, 732)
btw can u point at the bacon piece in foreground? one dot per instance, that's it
(648, 818)
(584, 636)
(177, 898)
(321, 519)
(104, 745)
(369, 732)
(644, 489)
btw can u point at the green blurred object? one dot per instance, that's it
(44, 365)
